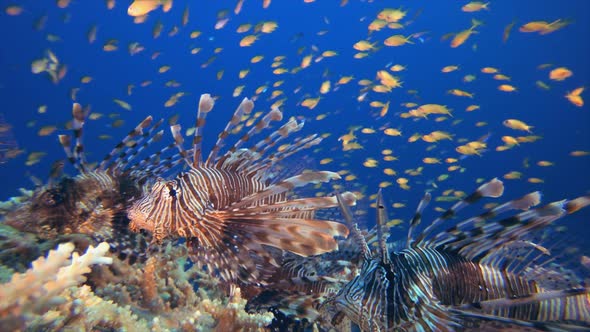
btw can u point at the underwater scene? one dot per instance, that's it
(294, 165)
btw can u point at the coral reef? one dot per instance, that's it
(89, 292)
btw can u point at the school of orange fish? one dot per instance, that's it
(383, 90)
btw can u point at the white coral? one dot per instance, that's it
(38, 289)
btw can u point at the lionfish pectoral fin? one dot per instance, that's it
(285, 186)
(494, 189)
(300, 236)
(536, 325)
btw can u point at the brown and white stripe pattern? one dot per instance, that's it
(226, 208)
(461, 277)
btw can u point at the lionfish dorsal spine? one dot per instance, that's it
(138, 147)
(493, 188)
(127, 147)
(153, 160)
(357, 235)
(298, 145)
(66, 143)
(417, 218)
(276, 136)
(206, 103)
(245, 107)
(273, 115)
(79, 117)
(381, 223)
(178, 142)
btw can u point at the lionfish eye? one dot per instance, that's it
(171, 191)
(51, 198)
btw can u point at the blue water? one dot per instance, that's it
(563, 126)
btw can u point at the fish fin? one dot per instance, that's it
(493, 188)
(273, 115)
(206, 103)
(272, 192)
(417, 218)
(75, 155)
(178, 140)
(245, 107)
(301, 236)
(131, 145)
(476, 240)
(357, 235)
(292, 303)
(298, 145)
(237, 247)
(382, 235)
(479, 319)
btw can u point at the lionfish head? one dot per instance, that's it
(163, 209)
(44, 210)
(362, 299)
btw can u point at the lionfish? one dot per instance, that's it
(94, 202)
(231, 209)
(467, 276)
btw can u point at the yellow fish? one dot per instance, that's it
(517, 125)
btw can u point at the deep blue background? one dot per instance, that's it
(563, 126)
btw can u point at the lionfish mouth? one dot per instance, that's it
(139, 220)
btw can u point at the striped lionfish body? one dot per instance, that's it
(94, 202)
(464, 277)
(230, 208)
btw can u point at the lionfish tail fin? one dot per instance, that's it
(555, 308)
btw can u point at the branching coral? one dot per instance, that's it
(165, 293)
(33, 293)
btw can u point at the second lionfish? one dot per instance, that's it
(483, 273)
(231, 209)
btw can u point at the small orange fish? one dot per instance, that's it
(475, 6)
(517, 125)
(506, 88)
(575, 98)
(142, 7)
(560, 74)
(462, 36)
